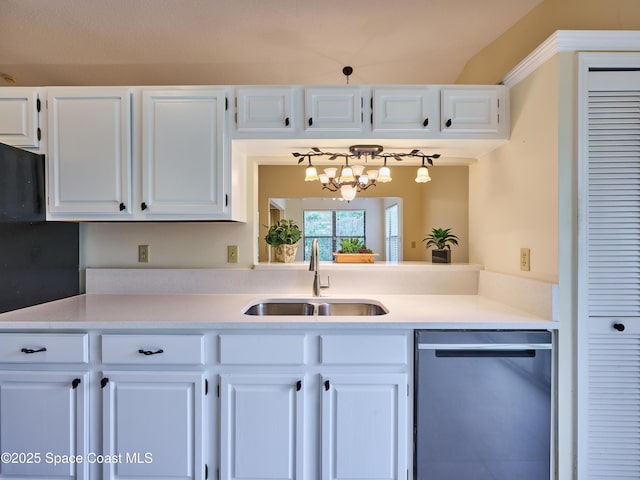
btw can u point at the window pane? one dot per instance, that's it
(391, 236)
(325, 244)
(318, 223)
(350, 223)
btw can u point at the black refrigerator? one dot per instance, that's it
(38, 259)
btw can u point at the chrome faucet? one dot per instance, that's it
(314, 266)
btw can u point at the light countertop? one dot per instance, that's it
(225, 311)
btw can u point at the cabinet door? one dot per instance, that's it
(264, 108)
(153, 425)
(364, 427)
(405, 109)
(43, 415)
(182, 149)
(330, 109)
(261, 427)
(609, 333)
(471, 110)
(89, 162)
(19, 117)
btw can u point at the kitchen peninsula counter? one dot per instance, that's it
(106, 307)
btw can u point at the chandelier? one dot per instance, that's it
(352, 179)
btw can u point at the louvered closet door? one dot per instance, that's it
(609, 405)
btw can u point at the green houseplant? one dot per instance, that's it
(284, 236)
(441, 239)
(353, 250)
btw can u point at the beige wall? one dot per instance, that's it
(439, 203)
(493, 62)
(513, 191)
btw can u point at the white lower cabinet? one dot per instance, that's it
(292, 405)
(153, 425)
(364, 426)
(261, 426)
(43, 425)
(314, 406)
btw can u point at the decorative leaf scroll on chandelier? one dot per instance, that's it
(351, 179)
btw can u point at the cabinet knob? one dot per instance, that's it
(426, 122)
(286, 122)
(327, 385)
(448, 124)
(75, 383)
(298, 385)
(619, 327)
(103, 382)
(310, 121)
(123, 207)
(143, 206)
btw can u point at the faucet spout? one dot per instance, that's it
(314, 266)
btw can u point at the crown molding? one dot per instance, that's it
(573, 41)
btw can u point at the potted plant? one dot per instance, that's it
(441, 239)
(284, 236)
(353, 250)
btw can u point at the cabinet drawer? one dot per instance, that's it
(44, 348)
(262, 349)
(153, 349)
(364, 349)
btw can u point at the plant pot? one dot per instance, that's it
(285, 253)
(354, 257)
(441, 256)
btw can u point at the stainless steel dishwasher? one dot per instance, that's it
(482, 405)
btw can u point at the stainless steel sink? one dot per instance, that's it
(321, 307)
(280, 308)
(350, 308)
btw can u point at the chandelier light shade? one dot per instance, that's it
(384, 174)
(351, 179)
(311, 174)
(423, 175)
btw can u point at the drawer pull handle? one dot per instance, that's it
(31, 350)
(150, 352)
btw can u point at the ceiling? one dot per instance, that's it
(238, 42)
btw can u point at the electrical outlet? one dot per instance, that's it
(525, 259)
(232, 254)
(143, 253)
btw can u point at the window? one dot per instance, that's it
(329, 227)
(392, 240)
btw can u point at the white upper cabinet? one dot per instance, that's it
(264, 109)
(334, 108)
(183, 169)
(20, 117)
(475, 110)
(171, 162)
(89, 161)
(405, 109)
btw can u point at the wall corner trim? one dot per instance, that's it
(573, 41)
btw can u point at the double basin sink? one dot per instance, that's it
(319, 306)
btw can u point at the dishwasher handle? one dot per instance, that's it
(485, 350)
